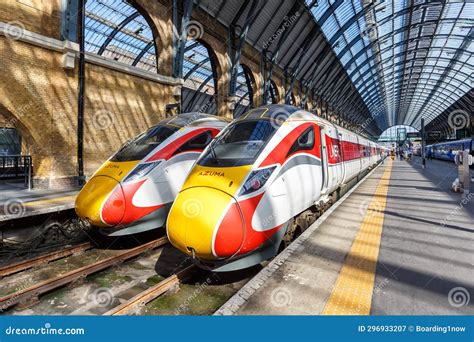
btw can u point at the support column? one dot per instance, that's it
(80, 99)
(423, 143)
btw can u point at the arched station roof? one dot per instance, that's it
(379, 63)
(412, 58)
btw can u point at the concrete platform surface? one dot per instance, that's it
(401, 243)
(16, 202)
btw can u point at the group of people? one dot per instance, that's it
(401, 154)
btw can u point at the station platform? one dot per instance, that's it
(16, 202)
(399, 243)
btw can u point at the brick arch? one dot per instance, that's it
(14, 121)
(158, 22)
(253, 82)
(278, 91)
(45, 149)
(245, 89)
(219, 52)
(215, 64)
(195, 101)
(220, 66)
(142, 12)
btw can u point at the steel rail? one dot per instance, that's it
(152, 293)
(30, 295)
(42, 259)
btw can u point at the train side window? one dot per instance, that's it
(304, 142)
(197, 143)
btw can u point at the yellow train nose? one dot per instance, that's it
(91, 198)
(194, 216)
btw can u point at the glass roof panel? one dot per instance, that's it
(197, 68)
(115, 30)
(432, 63)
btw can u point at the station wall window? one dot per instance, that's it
(118, 31)
(244, 91)
(10, 142)
(273, 96)
(200, 78)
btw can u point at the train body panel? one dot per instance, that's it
(288, 194)
(133, 191)
(165, 181)
(265, 168)
(448, 150)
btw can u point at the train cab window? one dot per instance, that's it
(197, 143)
(304, 142)
(139, 147)
(239, 144)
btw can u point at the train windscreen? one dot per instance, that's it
(143, 144)
(239, 144)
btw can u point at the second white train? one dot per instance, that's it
(262, 170)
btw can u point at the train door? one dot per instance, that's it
(324, 160)
(333, 159)
(360, 154)
(342, 157)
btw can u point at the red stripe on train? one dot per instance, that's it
(169, 150)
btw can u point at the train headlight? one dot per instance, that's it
(256, 180)
(141, 171)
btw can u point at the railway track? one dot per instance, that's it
(30, 295)
(141, 299)
(42, 259)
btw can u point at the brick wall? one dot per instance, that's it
(39, 97)
(118, 107)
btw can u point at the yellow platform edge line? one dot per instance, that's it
(58, 199)
(352, 292)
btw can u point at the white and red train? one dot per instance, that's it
(261, 171)
(133, 191)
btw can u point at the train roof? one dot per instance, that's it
(186, 119)
(276, 112)
(282, 113)
(451, 142)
